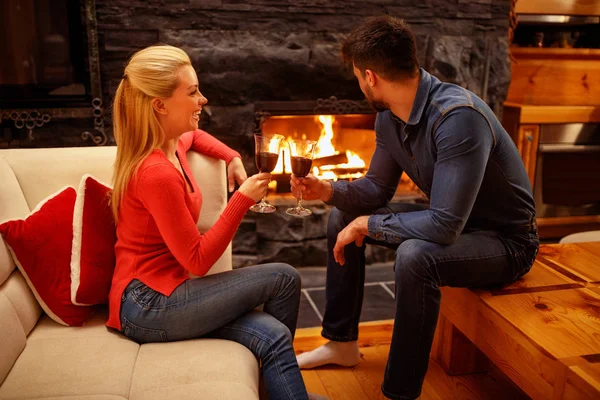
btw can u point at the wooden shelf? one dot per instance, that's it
(554, 53)
(557, 227)
(532, 114)
(558, 7)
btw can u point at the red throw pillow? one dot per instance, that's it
(41, 248)
(94, 238)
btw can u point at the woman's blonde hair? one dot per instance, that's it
(150, 73)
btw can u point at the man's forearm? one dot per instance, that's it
(362, 195)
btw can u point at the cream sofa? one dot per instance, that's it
(42, 359)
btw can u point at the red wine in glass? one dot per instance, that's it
(266, 162)
(301, 166)
(302, 152)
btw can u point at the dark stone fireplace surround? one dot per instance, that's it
(252, 51)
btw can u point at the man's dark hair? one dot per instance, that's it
(385, 45)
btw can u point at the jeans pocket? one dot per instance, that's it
(147, 298)
(142, 335)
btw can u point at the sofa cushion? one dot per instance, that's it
(88, 362)
(41, 248)
(94, 238)
(12, 336)
(205, 368)
(72, 362)
(22, 299)
(12, 205)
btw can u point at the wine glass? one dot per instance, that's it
(301, 152)
(266, 154)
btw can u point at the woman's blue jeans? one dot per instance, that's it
(476, 258)
(222, 306)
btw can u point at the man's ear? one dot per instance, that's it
(371, 77)
(159, 106)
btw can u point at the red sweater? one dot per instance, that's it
(157, 238)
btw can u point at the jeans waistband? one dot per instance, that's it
(134, 284)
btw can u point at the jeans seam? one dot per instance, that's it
(421, 330)
(435, 263)
(355, 316)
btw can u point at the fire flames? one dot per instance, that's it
(325, 148)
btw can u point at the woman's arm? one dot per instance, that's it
(205, 143)
(163, 194)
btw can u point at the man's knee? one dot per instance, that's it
(412, 257)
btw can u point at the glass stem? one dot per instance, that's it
(300, 201)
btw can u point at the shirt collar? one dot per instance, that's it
(421, 98)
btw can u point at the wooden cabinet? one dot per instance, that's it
(523, 123)
(554, 76)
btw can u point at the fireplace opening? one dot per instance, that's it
(345, 145)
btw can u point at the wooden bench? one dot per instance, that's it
(543, 331)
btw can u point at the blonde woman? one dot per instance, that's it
(156, 203)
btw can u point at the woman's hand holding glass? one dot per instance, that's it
(255, 187)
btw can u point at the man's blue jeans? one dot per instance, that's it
(222, 306)
(476, 258)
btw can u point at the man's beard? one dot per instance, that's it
(377, 105)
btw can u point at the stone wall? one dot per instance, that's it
(248, 51)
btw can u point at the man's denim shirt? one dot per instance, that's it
(456, 151)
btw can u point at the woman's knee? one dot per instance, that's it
(273, 334)
(291, 275)
(289, 271)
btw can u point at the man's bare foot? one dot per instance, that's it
(345, 354)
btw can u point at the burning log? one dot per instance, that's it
(346, 171)
(340, 158)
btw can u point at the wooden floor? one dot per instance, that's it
(363, 382)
